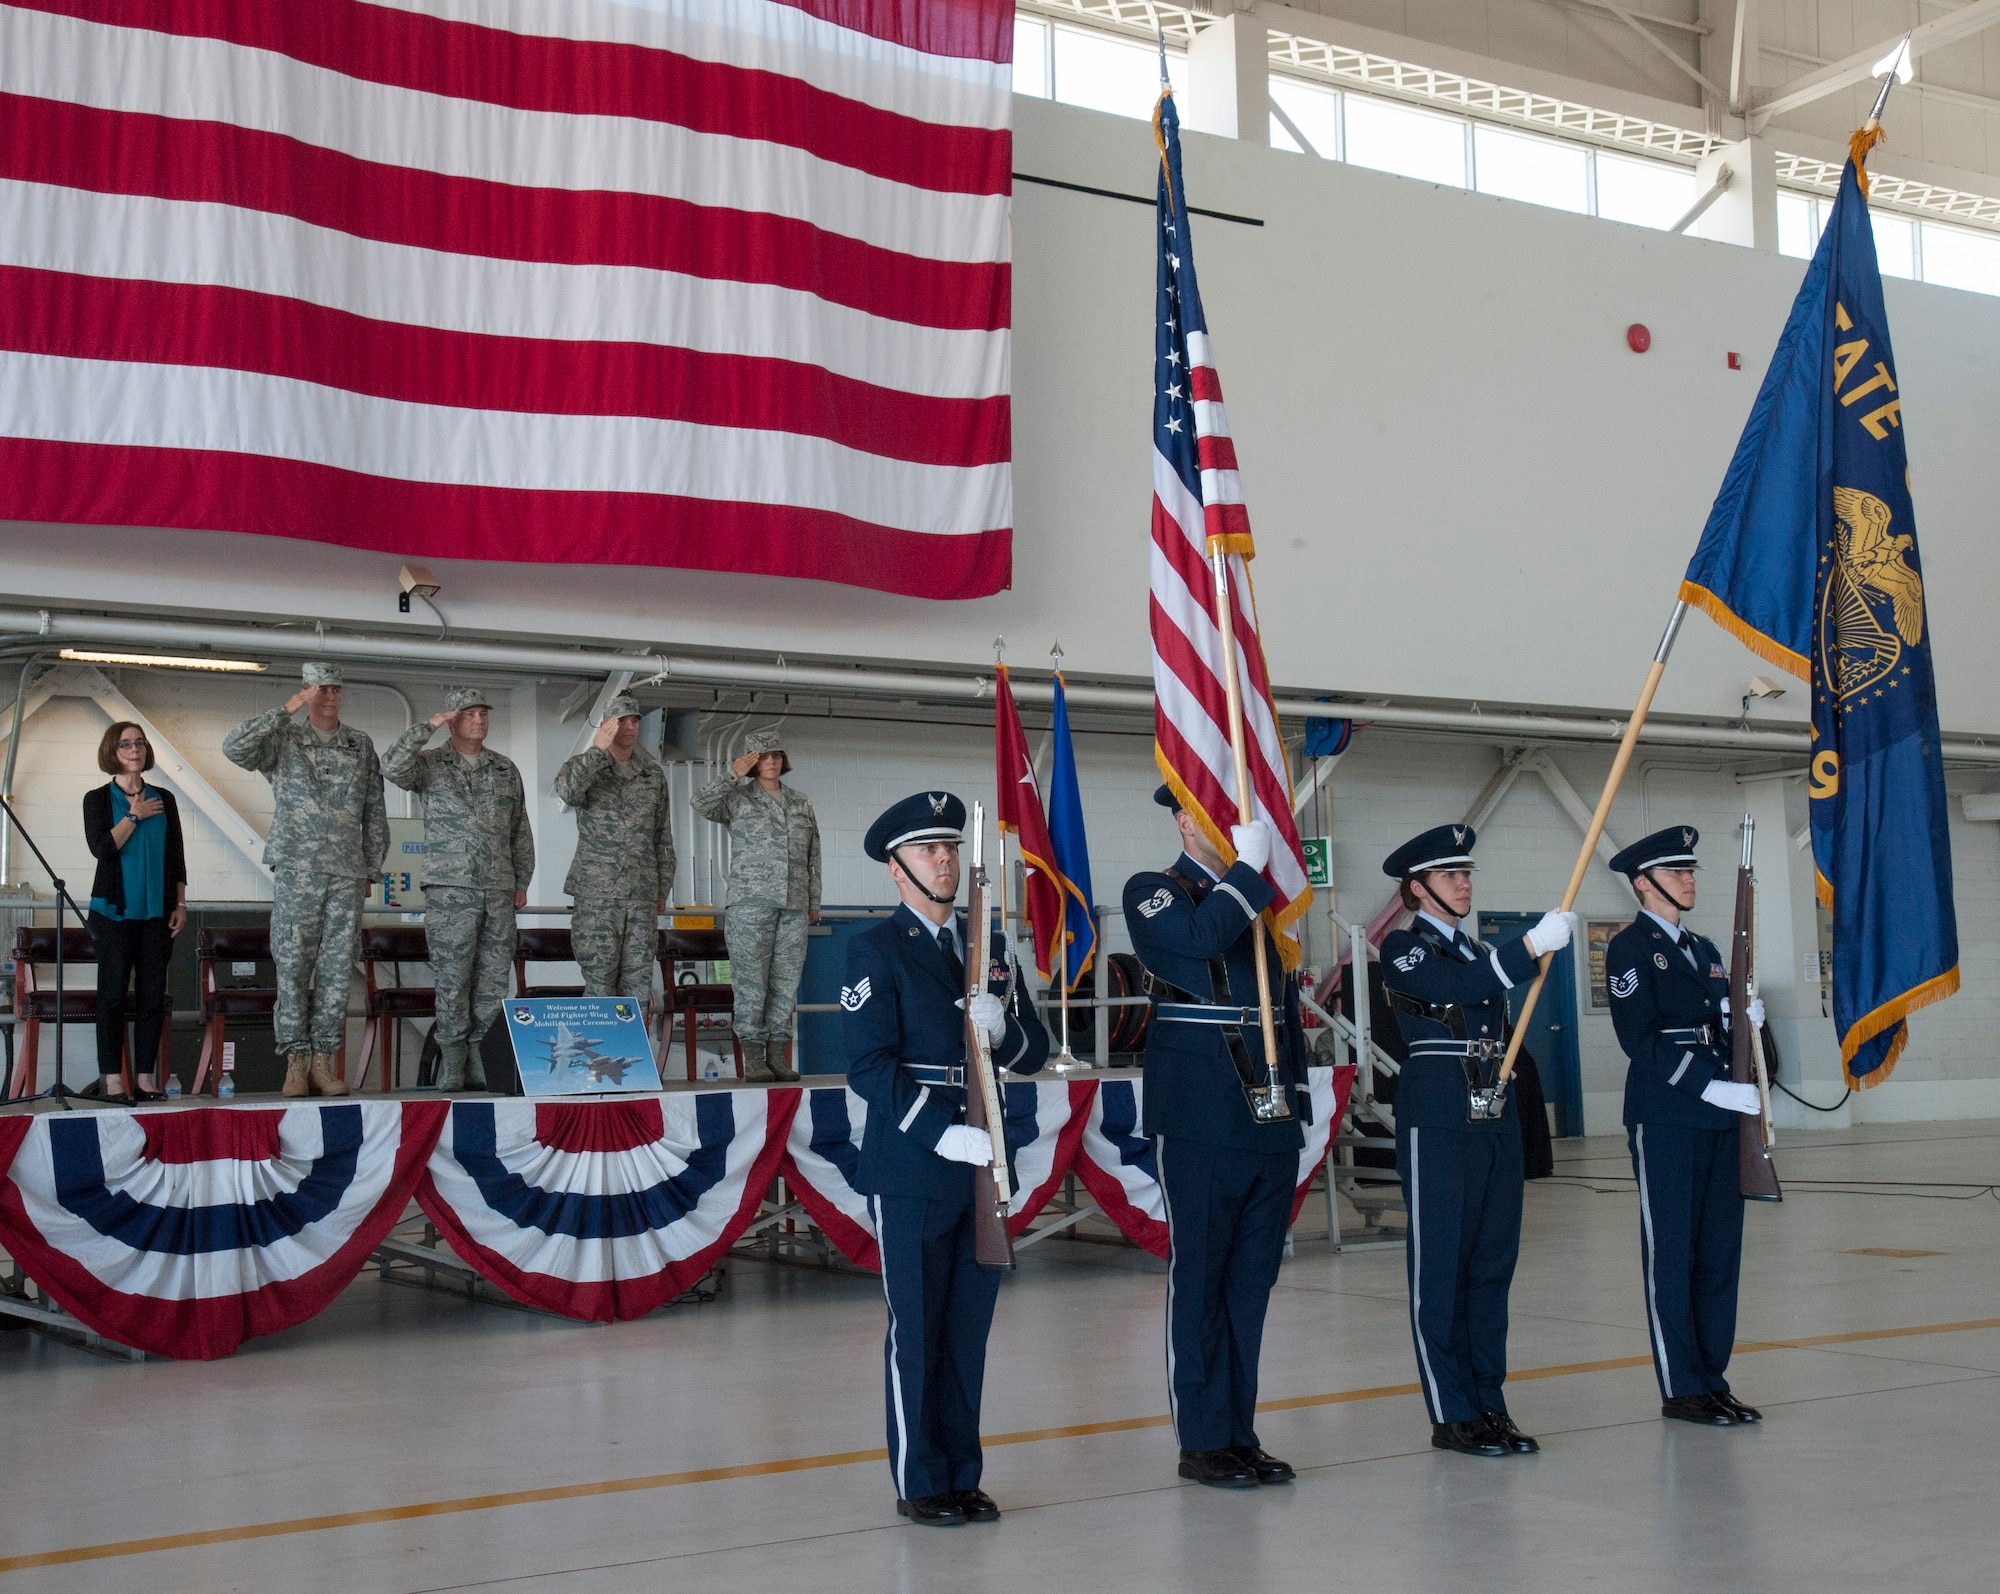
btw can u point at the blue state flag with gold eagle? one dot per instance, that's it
(1810, 557)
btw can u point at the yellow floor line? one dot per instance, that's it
(848, 1458)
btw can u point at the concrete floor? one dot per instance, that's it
(397, 1410)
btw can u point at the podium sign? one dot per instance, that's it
(580, 1045)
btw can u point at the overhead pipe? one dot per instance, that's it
(653, 668)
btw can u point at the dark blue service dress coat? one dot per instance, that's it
(1228, 1180)
(1667, 991)
(1462, 1180)
(905, 1034)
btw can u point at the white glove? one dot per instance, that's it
(1252, 843)
(990, 1014)
(963, 1143)
(1756, 1012)
(1733, 1097)
(1552, 934)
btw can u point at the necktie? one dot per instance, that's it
(1687, 948)
(1463, 944)
(952, 961)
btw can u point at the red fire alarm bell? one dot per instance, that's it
(1735, 361)
(1638, 338)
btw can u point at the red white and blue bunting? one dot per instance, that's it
(185, 1233)
(603, 1210)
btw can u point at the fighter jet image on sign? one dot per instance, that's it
(569, 1050)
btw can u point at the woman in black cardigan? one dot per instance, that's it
(138, 904)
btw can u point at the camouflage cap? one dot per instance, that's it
(464, 697)
(621, 705)
(320, 674)
(759, 743)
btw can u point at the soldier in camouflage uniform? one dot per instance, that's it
(773, 896)
(329, 831)
(624, 864)
(478, 857)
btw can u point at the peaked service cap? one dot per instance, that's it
(1441, 847)
(928, 816)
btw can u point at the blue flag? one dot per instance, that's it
(1072, 853)
(1810, 557)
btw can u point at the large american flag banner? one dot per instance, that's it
(717, 284)
(1197, 506)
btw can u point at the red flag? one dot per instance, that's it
(1020, 813)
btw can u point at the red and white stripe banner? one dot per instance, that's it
(717, 284)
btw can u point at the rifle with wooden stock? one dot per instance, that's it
(1756, 1174)
(992, 1189)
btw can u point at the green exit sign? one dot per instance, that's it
(1319, 859)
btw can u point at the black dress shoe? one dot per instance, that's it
(932, 1511)
(1501, 1426)
(1269, 1468)
(114, 1098)
(1704, 1409)
(1735, 1407)
(1219, 1469)
(141, 1093)
(1467, 1438)
(975, 1505)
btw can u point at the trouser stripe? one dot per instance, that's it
(1417, 1288)
(1651, 1259)
(900, 1461)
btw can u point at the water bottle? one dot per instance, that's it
(227, 1088)
(173, 1087)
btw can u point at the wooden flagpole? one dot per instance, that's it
(1596, 829)
(1246, 803)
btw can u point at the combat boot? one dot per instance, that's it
(325, 1077)
(297, 1067)
(782, 1071)
(754, 1064)
(451, 1069)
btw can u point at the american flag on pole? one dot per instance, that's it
(1197, 504)
(716, 284)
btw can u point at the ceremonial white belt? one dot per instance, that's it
(1206, 1013)
(934, 1074)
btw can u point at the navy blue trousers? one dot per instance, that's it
(934, 1359)
(1227, 1212)
(1463, 1191)
(1691, 1247)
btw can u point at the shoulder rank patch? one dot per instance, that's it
(1659, 960)
(1410, 959)
(1624, 985)
(854, 997)
(1157, 903)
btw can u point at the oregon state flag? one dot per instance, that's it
(1810, 556)
(1021, 814)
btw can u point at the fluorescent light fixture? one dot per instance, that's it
(165, 661)
(1897, 61)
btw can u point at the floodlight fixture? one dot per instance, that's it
(166, 661)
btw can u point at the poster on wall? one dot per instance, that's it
(580, 1045)
(1599, 933)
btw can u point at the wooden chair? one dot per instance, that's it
(35, 947)
(222, 1002)
(688, 1002)
(539, 945)
(390, 946)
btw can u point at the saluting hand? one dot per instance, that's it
(744, 765)
(299, 699)
(441, 718)
(604, 735)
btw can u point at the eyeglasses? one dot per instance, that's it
(127, 743)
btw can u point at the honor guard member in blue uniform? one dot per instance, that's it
(1458, 1147)
(904, 1024)
(1670, 1004)
(1228, 1178)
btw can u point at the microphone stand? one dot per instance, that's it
(58, 1092)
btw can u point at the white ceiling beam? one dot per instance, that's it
(1860, 66)
(1718, 95)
